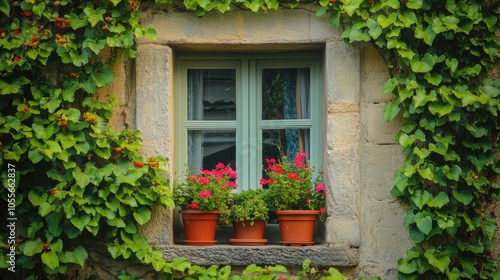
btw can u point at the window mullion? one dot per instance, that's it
(254, 148)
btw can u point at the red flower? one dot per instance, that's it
(278, 169)
(293, 175)
(205, 193)
(193, 205)
(322, 210)
(220, 165)
(139, 164)
(263, 181)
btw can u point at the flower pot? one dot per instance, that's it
(200, 226)
(249, 235)
(297, 226)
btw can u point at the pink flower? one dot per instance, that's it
(192, 178)
(322, 210)
(220, 165)
(320, 187)
(230, 184)
(204, 181)
(193, 205)
(205, 193)
(299, 160)
(232, 174)
(263, 181)
(218, 174)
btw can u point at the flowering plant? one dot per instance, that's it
(207, 191)
(292, 184)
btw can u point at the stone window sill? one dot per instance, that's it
(324, 255)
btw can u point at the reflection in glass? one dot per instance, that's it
(277, 142)
(285, 93)
(211, 94)
(206, 148)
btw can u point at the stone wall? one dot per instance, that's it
(364, 231)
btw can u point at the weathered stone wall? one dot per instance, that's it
(364, 231)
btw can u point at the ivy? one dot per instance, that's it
(79, 182)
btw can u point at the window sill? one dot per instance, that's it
(324, 255)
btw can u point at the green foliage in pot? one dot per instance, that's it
(250, 206)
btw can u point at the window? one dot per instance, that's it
(240, 109)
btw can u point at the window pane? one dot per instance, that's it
(285, 93)
(276, 142)
(211, 94)
(207, 148)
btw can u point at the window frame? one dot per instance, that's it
(249, 68)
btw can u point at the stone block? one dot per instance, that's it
(343, 231)
(342, 73)
(379, 164)
(384, 238)
(375, 129)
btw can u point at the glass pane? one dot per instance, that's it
(276, 142)
(285, 93)
(211, 94)
(207, 148)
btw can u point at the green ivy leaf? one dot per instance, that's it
(423, 222)
(94, 16)
(45, 208)
(464, 196)
(80, 222)
(80, 256)
(142, 215)
(424, 65)
(438, 260)
(391, 110)
(440, 108)
(439, 201)
(36, 199)
(103, 78)
(416, 235)
(81, 178)
(50, 259)
(421, 198)
(407, 266)
(31, 247)
(4, 7)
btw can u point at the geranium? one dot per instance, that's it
(208, 190)
(293, 184)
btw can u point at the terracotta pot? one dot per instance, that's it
(297, 226)
(249, 235)
(200, 226)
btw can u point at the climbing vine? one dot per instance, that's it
(70, 179)
(79, 182)
(440, 54)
